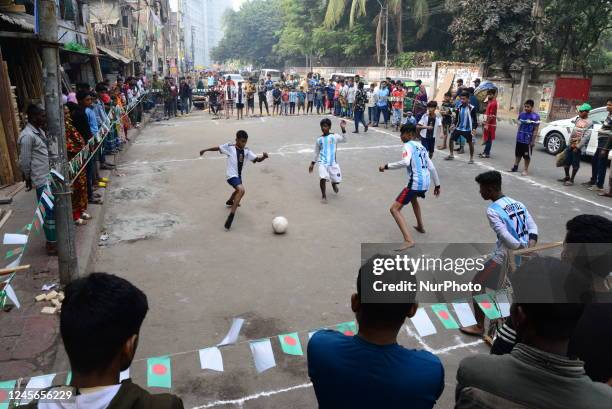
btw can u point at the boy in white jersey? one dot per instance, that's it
(514, 228)
(236, 155)
(325, 156)
(421, 170)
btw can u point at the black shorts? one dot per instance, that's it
(522, 150)
(429, 144)
(239, 105)
(276, 102)
(407, 194)
(251, 103)
(457, 134)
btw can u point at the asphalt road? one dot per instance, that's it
(165, 221)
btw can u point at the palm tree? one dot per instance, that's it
(420, 11)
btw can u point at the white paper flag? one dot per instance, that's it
(262, 355)
(57, 174)
(464, 313)
(124, 375)
(422, 323)
(15, 262)
(503, 303)
(47, 200)
(233, 333)
(210, 358)
(40, 218)
(11, 295)
(37, 383)
(10, 238)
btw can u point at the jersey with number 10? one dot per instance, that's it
(415, 159)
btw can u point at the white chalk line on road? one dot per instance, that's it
(513, 175)
(263, 394)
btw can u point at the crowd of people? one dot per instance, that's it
(87, 114)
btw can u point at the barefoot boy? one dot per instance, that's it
(236, 155)
(325, 156)
(421, 170)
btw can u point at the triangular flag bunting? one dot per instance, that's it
(441, 311)
(233, 333)
(5, 389)
(486, 304)
(262, 354)
(13, 252)
(124, 375)
(159, 372)
(290, 344)
(464, 313)
(42, 209)
(422, 323)
(11, 238)
(503, 303)
(10, 293)
(347, 328)
(210, 358)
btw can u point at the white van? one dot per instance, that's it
(336, 76)
(275, 74)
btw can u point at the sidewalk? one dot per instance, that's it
(29, 340)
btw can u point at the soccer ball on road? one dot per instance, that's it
(280, 224)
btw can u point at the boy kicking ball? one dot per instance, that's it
(236, 154)
(325, 156)
(421, 170)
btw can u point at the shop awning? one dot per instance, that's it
(114, 55)
(23, 21)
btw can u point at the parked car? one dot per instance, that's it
(275, 75)
(554, 137)
(235, 77)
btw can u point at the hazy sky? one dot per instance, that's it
(236, 3)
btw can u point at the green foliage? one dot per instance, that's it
(251, 33)
(407, 60)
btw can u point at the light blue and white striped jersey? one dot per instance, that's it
(465, 118)
(512, 224)
(420, 168)
(325, 148)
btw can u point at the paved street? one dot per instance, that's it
(165, 220)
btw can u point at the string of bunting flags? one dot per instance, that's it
(159, 368)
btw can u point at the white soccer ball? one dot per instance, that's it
(280, 224)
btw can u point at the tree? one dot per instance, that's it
(250, 34)
(494, 31)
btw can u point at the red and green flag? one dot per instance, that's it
(159, 372)
(290, 343)
(347, 328)
(441, 311)
(486, 304)
(13, 252)
(5, 389)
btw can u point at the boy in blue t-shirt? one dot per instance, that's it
(370, 369)
(529, 122)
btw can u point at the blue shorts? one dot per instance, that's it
(407, 194)
(235, 181)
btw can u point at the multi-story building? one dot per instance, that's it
(202, 25)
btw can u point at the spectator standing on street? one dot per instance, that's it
(361, 99)
(250, 97)
(319, 100)
(350, 96)
(261, 96)
(537, 372)
(276, 100)
(447, 117)
(420, 101)
(490, 124)
(382, 97)
(185, 93)
(371, 104)
(579, 140)
(293, 99)
(397, 103)
(600, 158)
(529, 123)
(370, 369)
(430, 127)
(34, 163)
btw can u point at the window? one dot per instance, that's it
(66, 9)
(598, 117)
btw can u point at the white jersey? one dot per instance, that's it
(325, 148)
(235, 159)
(421, 169)
(513, 225)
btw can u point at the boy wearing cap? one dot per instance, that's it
(579, 139)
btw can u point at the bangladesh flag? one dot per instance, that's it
(159, 372)
(441, 311)
(290, 343)
(347, 328)
(486, 304)
(5, 388)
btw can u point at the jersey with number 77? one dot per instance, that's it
(513, 225)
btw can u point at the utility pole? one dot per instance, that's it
(193, 48)
(386, 38)
(538, 15)
(66, 246)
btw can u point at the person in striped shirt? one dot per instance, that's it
(325, 156)
(466, 123)
(421, 171)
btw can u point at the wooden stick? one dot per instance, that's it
(7, 271)
(5, 218)
(538, 248)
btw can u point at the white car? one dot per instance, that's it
(235, 77)
(554, 137)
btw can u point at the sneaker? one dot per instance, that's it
(587, 184)
(596, 188)
(514, 169)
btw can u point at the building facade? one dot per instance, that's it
(202, 24)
